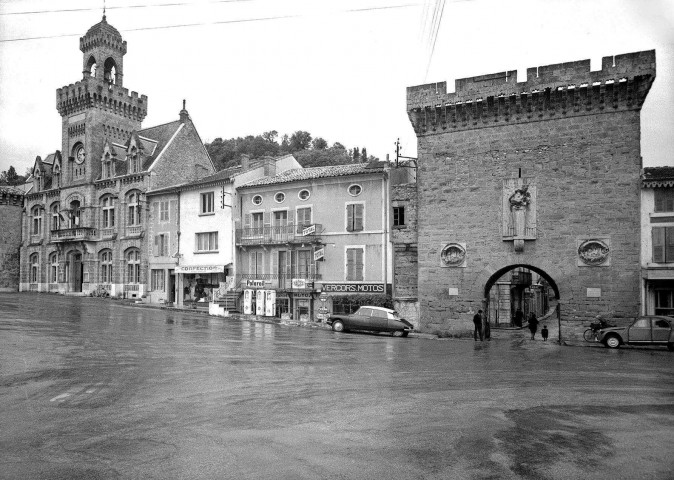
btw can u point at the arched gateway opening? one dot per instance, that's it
(514, 292)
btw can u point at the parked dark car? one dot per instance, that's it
(650, 330)
(372, 319)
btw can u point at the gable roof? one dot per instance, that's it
(301, 174)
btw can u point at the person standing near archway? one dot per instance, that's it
(477, 321)
(533, 324)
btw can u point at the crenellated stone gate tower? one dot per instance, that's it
(542, 174)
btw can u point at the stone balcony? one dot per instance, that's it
(73, 234)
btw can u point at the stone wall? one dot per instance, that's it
(11, 204)
(578, 151)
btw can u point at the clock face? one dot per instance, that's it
(79, 155)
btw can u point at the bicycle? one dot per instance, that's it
(591, 334)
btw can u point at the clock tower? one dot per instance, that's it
(98, 106)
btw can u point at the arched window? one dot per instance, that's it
(134, 204)
(110, 71)
(92, 66)
(34, 267)
(106, 266)
(36, 213)
(107, 166)
(55, 216)
(133, 266)
(75, 214)
(53, 267)
(108, 208)
(56, 178)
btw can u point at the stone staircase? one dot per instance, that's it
(230, 302)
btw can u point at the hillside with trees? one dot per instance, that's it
(309, 151)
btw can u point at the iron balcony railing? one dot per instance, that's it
(78, 233)
(276, 280)
(279, 234)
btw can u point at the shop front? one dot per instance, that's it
(199, 283)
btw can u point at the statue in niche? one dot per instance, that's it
(519, 212)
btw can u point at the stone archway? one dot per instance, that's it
(514, 291)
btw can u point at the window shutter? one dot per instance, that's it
(156, 246)
(173, 208)
(349, 218)
(658, 244)
(358, 264)
(350, 263)
(246, 220)
(267, 219)
(358, 217)
(289, 263)
(669, 244)
(274, 263)
(155, 211)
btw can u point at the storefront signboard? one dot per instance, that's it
(200, 269)
(253, 283)
(354, 287)
(309, 230)
(323, 297)
(318, 254)
(299, 283)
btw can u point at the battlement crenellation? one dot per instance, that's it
(555, 77)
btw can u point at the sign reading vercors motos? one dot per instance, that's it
(354, 287)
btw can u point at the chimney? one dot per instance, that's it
(269, 166)
(184, 116)
(245, 162)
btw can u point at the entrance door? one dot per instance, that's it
(172, 287)
(77, 272)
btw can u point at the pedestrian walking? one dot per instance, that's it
(477, 321)
(544, 333)
(533, 324)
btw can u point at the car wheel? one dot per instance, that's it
(397, 333)
(337, 326)
(670, 346)
(612, 341)
(405, 333)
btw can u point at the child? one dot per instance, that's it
(544, 332)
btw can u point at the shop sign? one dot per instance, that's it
(309, 230)
(200, 269)
(323, 297)
(302, 295)
(323, 309)
(322, 316)
(354, 288)
(318, 254)
(254, 283)
(299, 283)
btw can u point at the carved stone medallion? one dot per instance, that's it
(453, 255)
(593, 252)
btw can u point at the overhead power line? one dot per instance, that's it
(198, 24)
(147, 5)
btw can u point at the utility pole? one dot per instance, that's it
(398, 157)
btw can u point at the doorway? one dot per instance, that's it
(76, 272)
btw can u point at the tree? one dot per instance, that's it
(356, 155)
(12, 176)
(285, 143)
(364, 154)
(270, 136)
(338, 146)
(319, 144)
(300, 140)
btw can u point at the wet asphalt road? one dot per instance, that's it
(90, 389)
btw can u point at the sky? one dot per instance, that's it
(338, 69)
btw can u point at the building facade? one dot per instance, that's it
(315, 240)
(85, 221)
(657, 247)
(542, 174)
(11, 207)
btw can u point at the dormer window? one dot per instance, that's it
(107, 166)
(56, 178)
(134, 161)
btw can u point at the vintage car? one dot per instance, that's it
(650, 330)
(372, 319)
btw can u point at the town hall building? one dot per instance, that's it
(86, 215)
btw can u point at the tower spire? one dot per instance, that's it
(103, 9)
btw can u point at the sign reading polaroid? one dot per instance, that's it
(354, 287)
